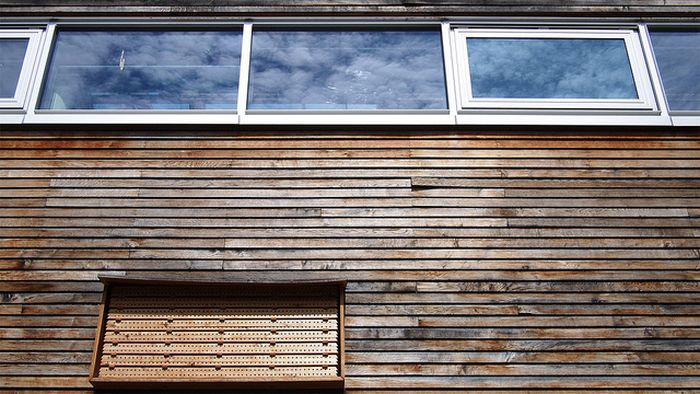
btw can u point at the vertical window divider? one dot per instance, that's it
(642, 66)
(448, 58)
(246, 47)
(42, 70)
(653, 70)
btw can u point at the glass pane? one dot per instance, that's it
(12, 51)
(550, 68)
(360, 69)
(144, 70)
(678, 57)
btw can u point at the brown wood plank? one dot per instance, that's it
(360, 141)
(212, 153)
(242, 173)
(370, 8)
(521, 357)
(590, 345)
(465, 202)
(43, 321)
(7, 370)
(411, 212)
(45, 382)
(656, 229)
(376, 192)
(368, 243)
(629, 269)
(518, 309)
(376, 182)
(504, 260)
(527, 298)
(41, 358)
(529, 369)
(638, 382)
(485, 334)
(375, 275)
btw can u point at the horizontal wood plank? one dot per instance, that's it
(511, 261)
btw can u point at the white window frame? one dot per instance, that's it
(645, 100)
(354, 117)
(550, 111)
(141, 116)
(650, 110)
(19, 100)
(242, 115)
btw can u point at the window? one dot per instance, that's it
(18, 49)
(552, 69)
(293, 71)
(159, 334)
(343, 69)
(143, 70)
(677, 53)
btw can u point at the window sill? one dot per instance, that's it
(565, 118)
(475, 117)
(685, 120)
(130, 117)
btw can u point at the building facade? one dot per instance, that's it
(491, 231)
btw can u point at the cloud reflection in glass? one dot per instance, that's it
(533, 68)
(347, 69)
(144, 70)
(678, 57)
(12, 51)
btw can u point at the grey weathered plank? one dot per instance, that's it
(333, 7)
(470, 256)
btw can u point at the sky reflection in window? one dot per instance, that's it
(348, 69)
(522, 68)
(144, 70)
(678, 57)
(12, 51)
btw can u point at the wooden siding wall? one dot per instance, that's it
(237, 8)
(474, 260)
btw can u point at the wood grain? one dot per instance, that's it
(510, 261)
(375, 8)
(217, 334)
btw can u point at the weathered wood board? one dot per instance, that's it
(495, 259)
(434, 8)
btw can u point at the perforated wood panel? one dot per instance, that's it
(234, 333)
